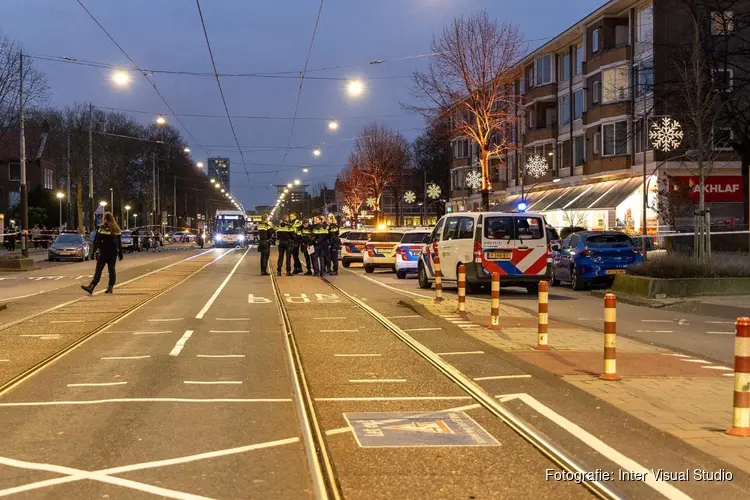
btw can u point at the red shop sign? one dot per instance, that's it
(719, 188)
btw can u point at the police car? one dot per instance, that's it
(408, 250)
(380, 250)
(352, 245)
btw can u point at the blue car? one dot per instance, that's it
(593, 258)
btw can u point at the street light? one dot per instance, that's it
(333, 125)
(187, 149)
(60, 197)
(135, 220)
(199, 164)
(223, 191)
(297, 182)
(217, 185)
(316, 152)
(161, 120)
(305, 170)
(286, 190)
(102, 204)
(289, 185)
(355, 88)
(212, 180)
(121, 78)
(127, 216)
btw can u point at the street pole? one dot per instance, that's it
(174, 201)
(423, 215)
(153, 186)
(92, 220)
(644, 145)
(112, 200)
(22, 159)
(127, 217)
(67, 182)
(60, 226)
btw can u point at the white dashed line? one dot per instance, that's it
(42, 336)
(4, 361)
(221, 355)
(221, 287)
(501, 377)
(458, 353)
(676, 355)
(181, 343)
(232, 319)
(712, 367)
(103, 384)
(339, 331)
(357, 355)
(720, 322)
(694, 360)
(400, 398)
(165, 320)
(229, 331)
(728, 374)
(657, 321)
(213, 382)
(148, 333)
(404, 317)
(422, 329)
(332, 317)
(67, 321)
(376, 380)
(721, 333)
(125, 357)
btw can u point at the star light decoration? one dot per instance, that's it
(371, 202)
(474, 179)
(410, 197)
(536, 166)
(666, 134)
(433, 191)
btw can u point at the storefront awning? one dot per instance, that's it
(616, 194)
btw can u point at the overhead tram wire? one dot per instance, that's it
(221, 90)
(302, 81)
(141, 71)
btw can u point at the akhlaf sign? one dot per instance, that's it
(719, 188)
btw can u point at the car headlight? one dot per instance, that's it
(241, 237)
(218, 237)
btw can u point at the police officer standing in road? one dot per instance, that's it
(284, 233)
(307, 239)
(320, 230)
(335, 244)
(265, 236)
(109, 244)
(296, 226)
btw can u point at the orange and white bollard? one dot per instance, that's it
(462, 289)
(543, 316)
(495, 304)
(610, 337)
(438, 279)
(741, 407)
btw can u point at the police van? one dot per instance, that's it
(513, 244)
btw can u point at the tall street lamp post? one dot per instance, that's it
(127, 216)
(60, 197)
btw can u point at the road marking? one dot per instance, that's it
(501, 377)
(404, 316)
(42, 336)
(407, 292)
(232, 319)
(165, 320)
(67, 321)
(589, 319)
(31, 294)
(333, 317)
(181, 343)
(125, 357)
(221, 356)
(212, 382)
(143, 400)
(4, 361)
(422, 329)
(229, 331)
(720, 322)
(339, 331)
(712, 367)
(102, 384)
(400, 398)
(357, 355)
(457, 353)
(147, 333)
(657, 321)
(676, 355)
(728, 374)
(721, 333)
(221, 287)
(654, 331)
(376, 380)
(694, 360)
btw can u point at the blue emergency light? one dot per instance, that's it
(522, 206)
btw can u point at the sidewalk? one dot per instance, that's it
(687, 397)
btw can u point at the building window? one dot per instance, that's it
(565, 68)
(615, 138)
(722, 136)
(544, 70)
(461, 149)
(616, 85)
(578, 104)
(530, 119)
(645, 27)
(14, 172)
(722, 22)
(564, 109)
(595, 91)
(578, 151)
(530, 77)
(723, 80)
(521, 87)
(644, 76)
(14, 198)
(579, 60)
(595, 40)
(638, 137)
(597, 140)
(563, 154)
(48, 179)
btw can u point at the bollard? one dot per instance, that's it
(438, 279)
(462, 289)
(495, 306)
(741, 406)
(543, 316)
(610, 336)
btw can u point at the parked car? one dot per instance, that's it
(380, 250)
(352, 246)
(408, 250)
(514, 245)
(589, 258)
(69, 245)
(127, 241)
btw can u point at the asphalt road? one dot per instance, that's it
(190, 396)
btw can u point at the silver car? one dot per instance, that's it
(69, 246)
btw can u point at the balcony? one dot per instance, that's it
(620, 53)
(540, 134)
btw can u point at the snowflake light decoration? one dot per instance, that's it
(536, 166)
(474, 179)
(666, 134)
(433, 191)
(346, 210)
(410, 197)
(363, 214)
(371, 202)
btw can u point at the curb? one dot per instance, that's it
(639, 301)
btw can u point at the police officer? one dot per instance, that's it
(108, 242)
(284, 233)
(320, 230)
(307, 239)
(265, 236)
(296, 226)
(335, 244)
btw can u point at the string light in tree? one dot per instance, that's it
(410, 197)
(666, 134)
(474, 179)
(536, 166)
(433, 191)
(346, 210)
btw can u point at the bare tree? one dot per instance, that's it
(470, 77)
(673, 202)
(379, 153)
(351, 185)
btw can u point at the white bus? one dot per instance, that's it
(229, 228)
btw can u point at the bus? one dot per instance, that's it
(229, 229)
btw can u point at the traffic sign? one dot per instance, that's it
(415, 429)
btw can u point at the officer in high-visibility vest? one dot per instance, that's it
(335, 244)
(284, 233)
(307, 239)
(108, 242)
(296, 226)
(320, 231)
(265, 236)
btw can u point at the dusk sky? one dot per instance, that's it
(249, 36)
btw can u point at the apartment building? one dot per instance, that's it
(582, 101)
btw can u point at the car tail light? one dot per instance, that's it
(401, 251)
(477, 250)
(586, 253)
(638, 250)
(369, 248)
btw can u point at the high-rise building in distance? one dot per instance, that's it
(218, 168)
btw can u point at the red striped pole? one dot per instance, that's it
(495, 305)
(610, 337)
(741, 407)
(462, 289)
(543, 316)
(438, 279)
